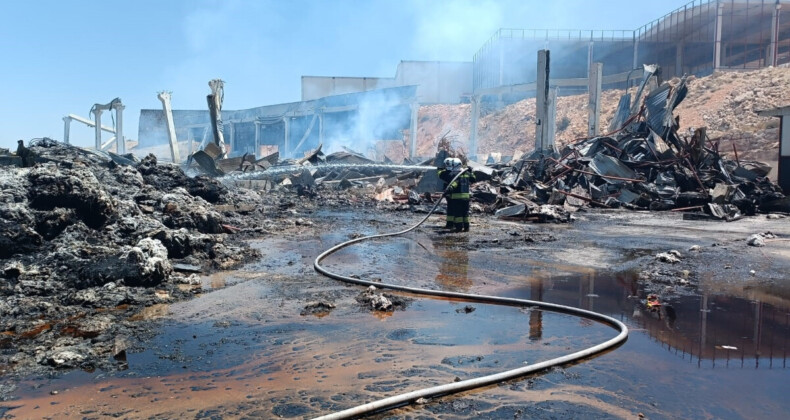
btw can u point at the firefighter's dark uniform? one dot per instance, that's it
(457, 198)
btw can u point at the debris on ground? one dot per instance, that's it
(86, 241)
(376, 302)
(758, 239)
(669, 257)
(652, 302)
(646, 164)
(383, 302)
(317, 308)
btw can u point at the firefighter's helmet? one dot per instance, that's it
(452, 163)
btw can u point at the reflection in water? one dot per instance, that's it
(155, 311)
(716, 328)
(454, 268)
(708, 328)
(536, 317)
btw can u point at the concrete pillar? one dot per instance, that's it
(552, 119)
(232, 129)
(321, 127)
(164, 97)
(190, 139)
(542, 102)
(717, 44)
(772, 48)
(783, 167)
(594, 85)
(257, 137)
(415, 107)
(590, 51)
(636, 53)
(66, 129)
(285, 153)
(473, 128)
(97, 128)
(120, 140)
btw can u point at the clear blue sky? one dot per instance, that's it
(61, 56)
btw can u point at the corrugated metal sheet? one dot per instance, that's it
(656, 104)
(610, 166)
(622, 113)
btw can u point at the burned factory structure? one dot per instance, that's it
(358, 112)
(293, 128)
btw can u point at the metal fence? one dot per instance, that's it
(697, 38)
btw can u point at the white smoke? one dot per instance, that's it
(373, 120)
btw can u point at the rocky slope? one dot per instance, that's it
(725, 102)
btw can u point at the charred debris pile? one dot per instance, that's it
(88, 238)
(643, 164)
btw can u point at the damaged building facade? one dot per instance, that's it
(293, 128)
(359, 110)
(698, 38)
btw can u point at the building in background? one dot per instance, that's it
(438, 82)
(698, 38)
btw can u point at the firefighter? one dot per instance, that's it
(457, 194)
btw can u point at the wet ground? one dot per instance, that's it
(716, 348)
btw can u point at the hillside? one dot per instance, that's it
(725, 102)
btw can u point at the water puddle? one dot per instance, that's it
(243, 349)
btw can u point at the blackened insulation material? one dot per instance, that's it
(656, 103)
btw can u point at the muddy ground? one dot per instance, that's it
(275, 339)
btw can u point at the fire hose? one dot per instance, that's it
(454, 387)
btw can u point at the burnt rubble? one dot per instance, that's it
(87, 238)
(85, 242)
(645, 165)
